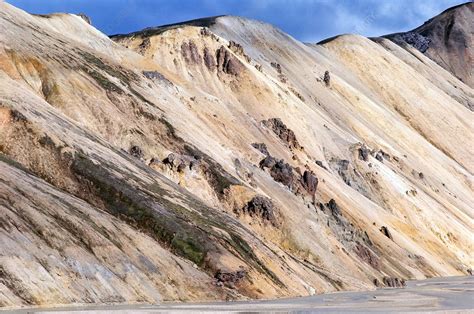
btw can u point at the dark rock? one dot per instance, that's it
(282, 78)
(206, 32)
(190, 52)
(267, 162)
(470, 271)
(327, 78)
(386, 232)
(227, 63)
(236, 48)
(282, 131)
(377, 283)
(342, 168)
(335, 211)
(394, 282)
(209, 60)
(385, 155)
(85, 18)
(154, 162)
(230, 279)
(261, 147)
(153, 75)
(145, 44)
(379, 157)
(364, 153)
(136, 152)
(416, 40)
(282, 172)
(156, 76)
(320, 164)
(367, 255)
(17, 116)
(421, 175)
(310, 182)
(277, 67)
(262, 207)
(180, 163)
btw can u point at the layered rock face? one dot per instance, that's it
(221, 159)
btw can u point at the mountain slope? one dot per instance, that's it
(447, 39)
(221, 145)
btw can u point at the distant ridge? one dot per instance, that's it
(156, 30)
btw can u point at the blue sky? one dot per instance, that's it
(307, 20)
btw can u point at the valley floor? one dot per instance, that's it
(442, 295)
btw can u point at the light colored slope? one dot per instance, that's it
(370, 115)
(364, 114)
(60, 250)
(382, 98)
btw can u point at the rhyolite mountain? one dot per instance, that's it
(447, 39)
(223, 159)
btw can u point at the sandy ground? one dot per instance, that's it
(441, 295)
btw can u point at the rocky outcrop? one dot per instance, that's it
(386, 232)
(342, 168)
(157, 77)
(137, 152)
(228, 63)
(320, 164)
(418, 41)
(230, 279)
(309, 182)
(86, 18)
(381, 155)
(394, 282)
(209, 59)
(366, 254)
(261, 147)
(190, 52)
(236, 48)
(282, 131)
(364, 153)
(335, 211)
(282, 172)
(180, 163)
(263, 208)
(277, 67)
(327, 78)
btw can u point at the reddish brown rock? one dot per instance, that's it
(282, 131)
(209, 60)
(228, 63)
(309, 182)
(190, 52)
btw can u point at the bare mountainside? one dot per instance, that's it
(223, 159)
(447, 39)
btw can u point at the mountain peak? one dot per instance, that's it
(448, 39)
